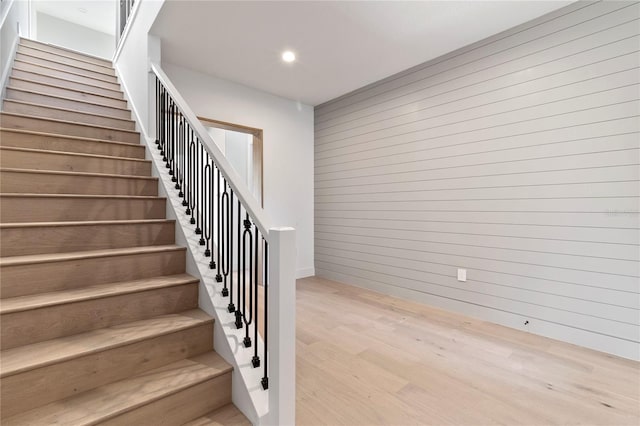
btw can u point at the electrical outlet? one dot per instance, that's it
(462, 275)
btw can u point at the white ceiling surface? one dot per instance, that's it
(100, 15)
(340, 46)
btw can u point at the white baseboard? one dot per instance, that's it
(539, 326)
(305, 272)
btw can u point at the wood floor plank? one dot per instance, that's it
(365, 358)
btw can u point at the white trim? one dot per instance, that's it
(125, 33)
(7, 68)
(6, 13)
(136, 116)
(4, 79)
(247, 394)
(281, 328)
(305, 272)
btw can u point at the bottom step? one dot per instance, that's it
(228, 415)
(169, 395)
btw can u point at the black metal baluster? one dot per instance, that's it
(231, 306)
(225, 290)
(157, 112)
(240, 293)
(167, 148)
(201, 193)
(255, 360)
(247, 252)
(212, 204)
(265, 377)
(207, 206)
(163, 141)
(178, 163)
(209, 217)
(192, 180)
(174, 143)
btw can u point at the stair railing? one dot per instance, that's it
(247, 254)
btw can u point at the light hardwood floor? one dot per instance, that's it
(364, 358)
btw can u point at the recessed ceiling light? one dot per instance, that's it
(82, 10)
(288, 56)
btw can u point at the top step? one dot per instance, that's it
(65, 52)
(63, 59)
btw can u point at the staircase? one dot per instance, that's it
(99, 322)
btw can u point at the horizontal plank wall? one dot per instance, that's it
(516, 158)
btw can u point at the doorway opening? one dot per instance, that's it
(242, 147)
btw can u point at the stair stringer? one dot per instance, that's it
(247, 393)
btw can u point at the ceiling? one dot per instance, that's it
(99, 15)
(340, 46)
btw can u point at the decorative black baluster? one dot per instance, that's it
(167, 147)
(247, 252)
(200, 198)
(231, 306)
(265, 376)
(157, 112)
(240, 292)
(208, 218)
(225, 290)
(255, 360)
(212, 204)
(179, 154)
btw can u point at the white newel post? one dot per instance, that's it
(281, 292)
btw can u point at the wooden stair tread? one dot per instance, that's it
(40, 83)
(81, 174)
(110, 400)
(89, 254)
(78, 138)
(104, 332)
(82, 223)
(81, 196)
(108, 72)
(117, 92)
(62, 55)
(41, 300)
(71, 154)
(69, 122)
(106, 78)
(229, 415)
(37, 355)
(69, 110)
(28, 42)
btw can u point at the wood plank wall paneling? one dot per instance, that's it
(517, 158)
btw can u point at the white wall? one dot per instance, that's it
(14, 23)
(50, 29)
(288, 146)
(515, 158)
(132, 59)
